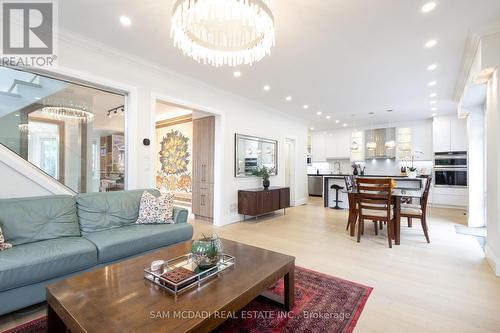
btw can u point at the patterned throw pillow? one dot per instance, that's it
(3, 245)
(154, 210)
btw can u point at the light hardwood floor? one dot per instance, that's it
(445, 286)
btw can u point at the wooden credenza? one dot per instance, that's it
(256, 202)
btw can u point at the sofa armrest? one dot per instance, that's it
(180, 215)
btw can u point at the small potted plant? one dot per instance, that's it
(264, 173)
(206, 251)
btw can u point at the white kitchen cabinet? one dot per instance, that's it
(441, 134)
(449, 197)
(412, 139)
(458, 134)
(357, 155)
(422, 141)
(338, 144)
(319, 146)
(449, 134)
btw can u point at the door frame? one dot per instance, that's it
(218, 219)
(290, 158)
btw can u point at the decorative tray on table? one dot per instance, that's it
(182, 273)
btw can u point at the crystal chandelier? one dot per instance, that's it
(223, 32)
(72, 113)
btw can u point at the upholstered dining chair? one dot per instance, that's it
(375, 203)
(419, 211)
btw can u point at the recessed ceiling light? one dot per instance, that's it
(433, 109)
(328, 117)
(344, 125)
(17, 115)
(288, 98)
(319, 113)
(306, 106)
(125, 20)
(337, 121)
(432, 67)
(433, 95)
(237, 74)
(312, 128)
(434, 114)
(428, 7)
(267, 87)
(433, 102)
(431, 43)
(371, 113)
(432, 83)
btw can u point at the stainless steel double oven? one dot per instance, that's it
(450, 169)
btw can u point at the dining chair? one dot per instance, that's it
(374, 202)
(350, 185)
(419, 211)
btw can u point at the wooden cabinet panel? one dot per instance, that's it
(203, 150)
(270, 201)
(284, 198)
(202, 200)
(203, 167)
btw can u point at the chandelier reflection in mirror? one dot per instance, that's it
(223, 32)
(63, 113)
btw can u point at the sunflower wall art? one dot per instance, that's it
(173, 172)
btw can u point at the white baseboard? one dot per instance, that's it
(492, 260)
(300, 202)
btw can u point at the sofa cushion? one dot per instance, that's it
(34, 262)
(27, 220)
(156, 210)
(108, 210)
(130, 240)
(3, 245)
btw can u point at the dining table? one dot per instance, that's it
(397, 195)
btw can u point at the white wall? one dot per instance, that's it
(490, 50)
(476, 181)
(96, 63)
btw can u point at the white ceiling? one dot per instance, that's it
(340, 57)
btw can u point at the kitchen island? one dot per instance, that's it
(403, 182)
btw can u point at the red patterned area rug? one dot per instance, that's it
(323, 303)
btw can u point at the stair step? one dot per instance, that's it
(9, 94)
(14, 88)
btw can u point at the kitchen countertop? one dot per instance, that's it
(329, 175)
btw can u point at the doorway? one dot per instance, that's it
(290, 168)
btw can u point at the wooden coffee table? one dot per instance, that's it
(117, 298)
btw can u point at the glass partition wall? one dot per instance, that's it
(74, 133)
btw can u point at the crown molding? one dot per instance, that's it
(471, 48)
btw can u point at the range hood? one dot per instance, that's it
(384, 140)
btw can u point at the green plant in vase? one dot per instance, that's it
(265, 173)
(206, 251)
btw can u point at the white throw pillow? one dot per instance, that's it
(3, 245)
(154, 210)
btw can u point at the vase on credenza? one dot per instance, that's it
(266, 183)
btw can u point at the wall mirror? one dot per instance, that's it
(252, 152)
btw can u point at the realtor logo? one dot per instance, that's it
(27, 27)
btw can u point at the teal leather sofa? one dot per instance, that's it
(56, 237)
